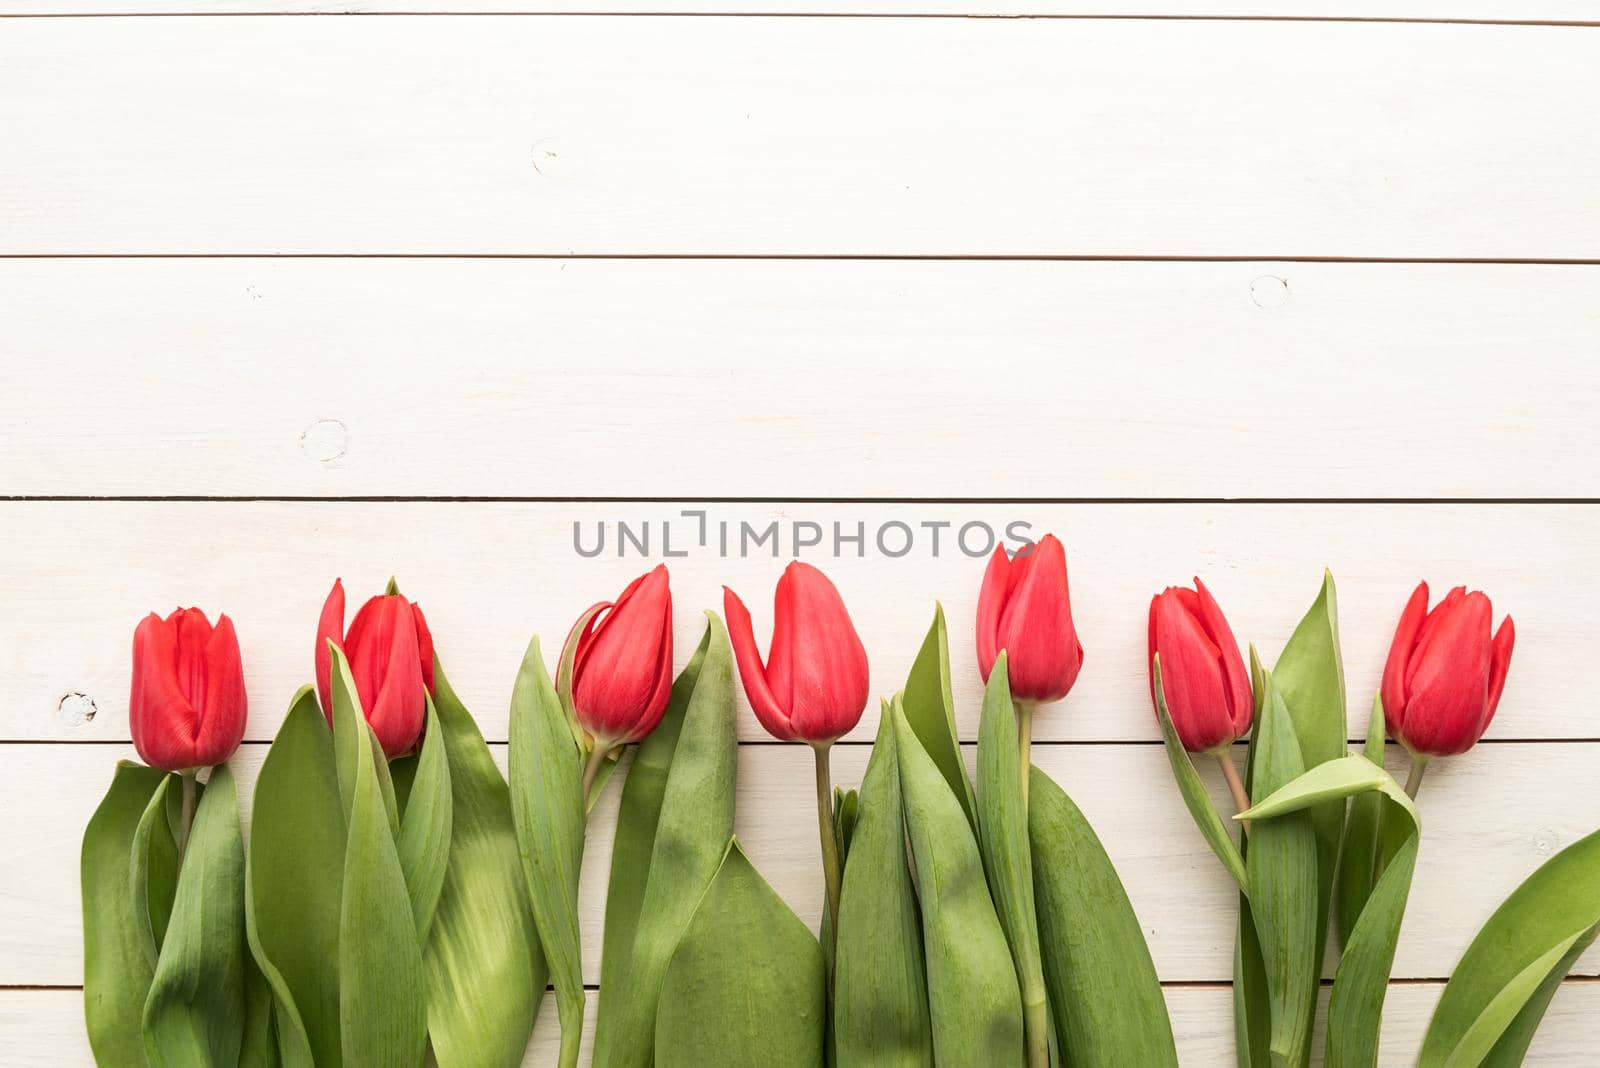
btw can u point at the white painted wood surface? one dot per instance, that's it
(732, 135)
(800, 379)
(1110, 379)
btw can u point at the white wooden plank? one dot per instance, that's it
(927, 379)
(79, 575)
(1528, 11)
(1491, 818)
(46, 1027)
(797, 135)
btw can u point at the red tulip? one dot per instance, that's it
(1024, 608)
(391, 657)
(813, 686)
(1203, 677)
(1445, 674)
(622, 664)
(187, 709)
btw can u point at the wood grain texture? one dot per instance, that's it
(81, 574)
(718, 135)
(858, 379)
(1183, 898)
(46, 1027)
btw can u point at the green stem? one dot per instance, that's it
(1036, 1023)
(1419, 764)
(186, 811)
(591, 768)
(1025, 745)
(1241, 799)
(831, 874)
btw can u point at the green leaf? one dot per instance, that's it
(691, 837)
(484, 966)
(1500, 989)
(1007, 858)
(1281, 864)
(547, 809)
(638, 815)
(1355, 1012)
(1252, 1004)
(1107, 1000)
(1358, 860)
(194, 1014)
(973, 996)
(880, 1010)
(259, 1048)
(116, 973)
(746, 983)
(294, 880)
(931, 712)
(846, 810)
(424, 842)
(382, 1000)
(1195, 796)
(154, 866)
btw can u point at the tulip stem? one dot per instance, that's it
(186, 811)
(1025, 746)
(1419, 764)
(1241, 799)
(831, 874)
(591, 768)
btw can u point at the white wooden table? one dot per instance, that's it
(287, 295)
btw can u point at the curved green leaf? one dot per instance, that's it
(294, 881)
(1501, 987)
(194, 1014)
(638, 815)
(1108, 1006)
(1195, 796)
(154, 866)
(973, 996)
(746, 985)
(260, 1046)
(485, 970)
(691, 837)
(1007, 858)
(116, 972)
(880, 1010)
(382, 1001)
(547, 810)
(1359, 863)
(424, 842)
(930, 709)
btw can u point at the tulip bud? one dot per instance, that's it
(814, 684)
(1444, 675)
(187, 708)
(1203, 677)
(1024, 608)
(622, 662)
(391, 657)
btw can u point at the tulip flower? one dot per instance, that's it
(187, 707)
(1444, 675)
(621, 666)
(391, 657)
(813, 686)
(1204, 684)
(1024, 608)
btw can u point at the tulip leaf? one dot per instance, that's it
(1252, 1006)
(1359, 862)
(116, 971)
(294, 880)
(973, 997)
(1107, 1000)
(259, 1048)
(194, 1013)
(1499, 991)
(1281, 865)
(1007, 858)
(1195, 795)
(547, 810)
(154, 866)
(484, 966)
(424, 841)
(880, 1013)
(846, 810)
(382, 1000)
(930, 709)
(691, 836)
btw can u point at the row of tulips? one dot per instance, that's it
(400, 898)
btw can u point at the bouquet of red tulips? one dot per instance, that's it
(400, 899)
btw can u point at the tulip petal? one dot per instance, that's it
(1394, 669)
(1236, 680)
(224, 704)
(829, 663)
(991, 602)
(1036, 625)
(1449, 684)
(424, 645)
(330, 627)
(397, 714)
(1191, 678)
(617, 686)
(160, 718)
(751, 670)
(1499, 665)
